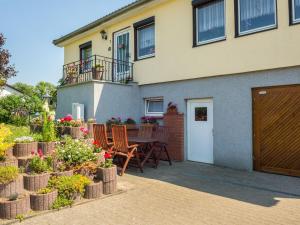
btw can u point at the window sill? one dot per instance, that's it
(256, 31)
(209, 42)
(148, 57)
(292, 23)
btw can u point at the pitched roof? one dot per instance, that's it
(102, 20)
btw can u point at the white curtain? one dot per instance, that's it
(211, 16)
(251, 9)
(146, 37)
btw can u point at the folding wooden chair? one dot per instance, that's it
(100, 136)
(162, 135)
(121, 147)
(145, 131)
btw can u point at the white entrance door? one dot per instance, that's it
(200, 130)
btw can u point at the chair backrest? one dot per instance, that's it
(120, 139)
(100, 135)
(161, 134)
(145, 131)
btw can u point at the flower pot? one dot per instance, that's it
(76, 133)
(93, 190)
(14, 187)
(107, 174)
(10, 209)
(24, 149)
(40, 202)
(46, 147)
(90, 127)
(109, 187)
(131, 126)
(9, 162)
(24, 162)
(36, 182)
(68, 173)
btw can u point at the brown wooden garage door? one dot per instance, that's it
(276, 129)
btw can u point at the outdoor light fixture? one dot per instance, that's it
(103, 35)
(46, 96)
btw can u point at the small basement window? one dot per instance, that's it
(154, 107)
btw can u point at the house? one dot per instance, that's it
(231, 66)
(9, 90)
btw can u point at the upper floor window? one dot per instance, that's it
(295, 11)
(256, 15)
(145, 38)
(85, 57)
(209, 21)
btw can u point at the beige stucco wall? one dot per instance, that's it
(176, 59)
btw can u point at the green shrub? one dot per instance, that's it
(75, 152)
(68, 188)
(38, 165)
(48, 133)
(44, 191)
(8, 174)
(61, 202)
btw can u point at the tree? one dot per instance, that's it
(43, 87)
(25, 88)
(6, 70)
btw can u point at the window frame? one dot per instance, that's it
(198, 4)
(137, 27)
(293, 20)
(256, 30)
(146, 102)
(83, 47)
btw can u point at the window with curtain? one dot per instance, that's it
(154, 107)
(146, 41)
(296, 11)
(256, 15)
(210, 22)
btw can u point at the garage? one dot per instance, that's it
(276, 129)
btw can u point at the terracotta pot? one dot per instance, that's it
(40, 202)
(24, 149)
(68, 173)
(9, 162)
(14, 187)
(109, 187)
(107, 174)
(10, 209)
(36, 182)
(93, 190)
(46, 147)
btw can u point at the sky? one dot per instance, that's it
(30, 26)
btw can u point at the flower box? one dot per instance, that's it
(24, 149)
(109, 187)
(107, 174)
(36, 182)
(46, 147)
(14, 187)
(90, 127)
(93, 190)
(131, 126)
(41, 202)
(10, 209)
(67, 173)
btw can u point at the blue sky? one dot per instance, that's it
(31, 25)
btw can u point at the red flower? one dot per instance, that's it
(32, 152)
(40, 152)
(107, 155)
(68, 118)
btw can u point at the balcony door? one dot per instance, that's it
(86, 57)
(121, 55)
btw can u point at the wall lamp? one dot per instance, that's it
(103, 35)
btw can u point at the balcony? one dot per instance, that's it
(97, 68)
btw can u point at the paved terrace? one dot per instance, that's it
(190, 193)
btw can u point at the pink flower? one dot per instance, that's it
(32, 152)
(40, 152)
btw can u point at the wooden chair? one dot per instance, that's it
(145, 131)
(162, 135)
(100, 135)
(121, 147)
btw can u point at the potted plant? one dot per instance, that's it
(107, 172)
(6, 158)
(48, 140)
(36, 125)
(38, 174)
(113, 121)
(130, 124)
(69, 189)
(69, 126)
(12, 200)
(24, 146)
(172, 108)
(43, 199)
(90, 126)
(98, 72)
